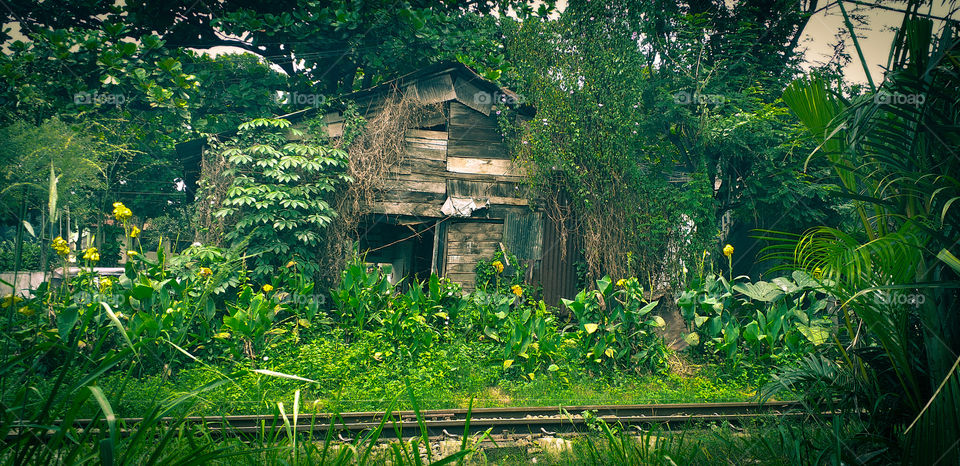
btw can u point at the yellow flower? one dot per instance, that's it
(267, 288)
(622, 282)
(121, 212)
(517, 290)
(498, 266)
(221, 335)
(61, 246)
(134, 231)
(205, 272)
(91, 254)
(817, 273)
(291, 264)
(132, 253)
(105, 283)
(728, 250)
(10, 300)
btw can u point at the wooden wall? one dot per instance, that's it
(458, 153)
(466, 243)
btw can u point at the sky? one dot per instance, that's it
(875, 37)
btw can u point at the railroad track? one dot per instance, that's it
(503, 422)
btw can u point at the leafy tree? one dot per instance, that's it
(277, 200)
(27, 154)
(894, 153)
(631, 94)
(340, 45)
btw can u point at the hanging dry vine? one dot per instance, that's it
(375, 145)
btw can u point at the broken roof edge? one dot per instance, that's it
(191, 147)
(404, 81)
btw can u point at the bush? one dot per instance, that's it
(30, 254)
(769, 321)
(614, 328)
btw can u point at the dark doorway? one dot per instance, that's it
(406, 247)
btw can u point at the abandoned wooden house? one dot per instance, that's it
(456, 196)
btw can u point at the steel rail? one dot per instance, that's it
(450, 423)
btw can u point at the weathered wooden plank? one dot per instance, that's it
(477, 149)
(422, 152)
(472, 247)
(426, 163)
(426, 134)
(496, 167)
(419, 197)
(434, 118)
(502, 192)
(474, 227)
(454, 267)
(486, 248)
(401, 169)
(406, 208)
(415, 176)
(508, 201)
(417, 186)
(500, 211)
(485, 133)
(472, 96)
(464, 258)
(480, 177)
(468, 241)
(435, 89)
(461, 115)
(439, 144)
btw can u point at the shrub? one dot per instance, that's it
(614, 328)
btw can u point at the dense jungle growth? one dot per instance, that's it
(183, 227)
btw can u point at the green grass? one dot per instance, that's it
(362, 376)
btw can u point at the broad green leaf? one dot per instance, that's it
(759, 291)
(948, 258)
(815, 333)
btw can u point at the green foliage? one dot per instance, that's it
(491, 279)
(226, 271)
(30, 255)
(28, 151)
(414, 320)
(361, 295)
(532, 343)
(278, 197)
(615, 328)
(769, 320)
(892, 270)
(616, 120)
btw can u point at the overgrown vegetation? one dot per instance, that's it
(657, 136)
